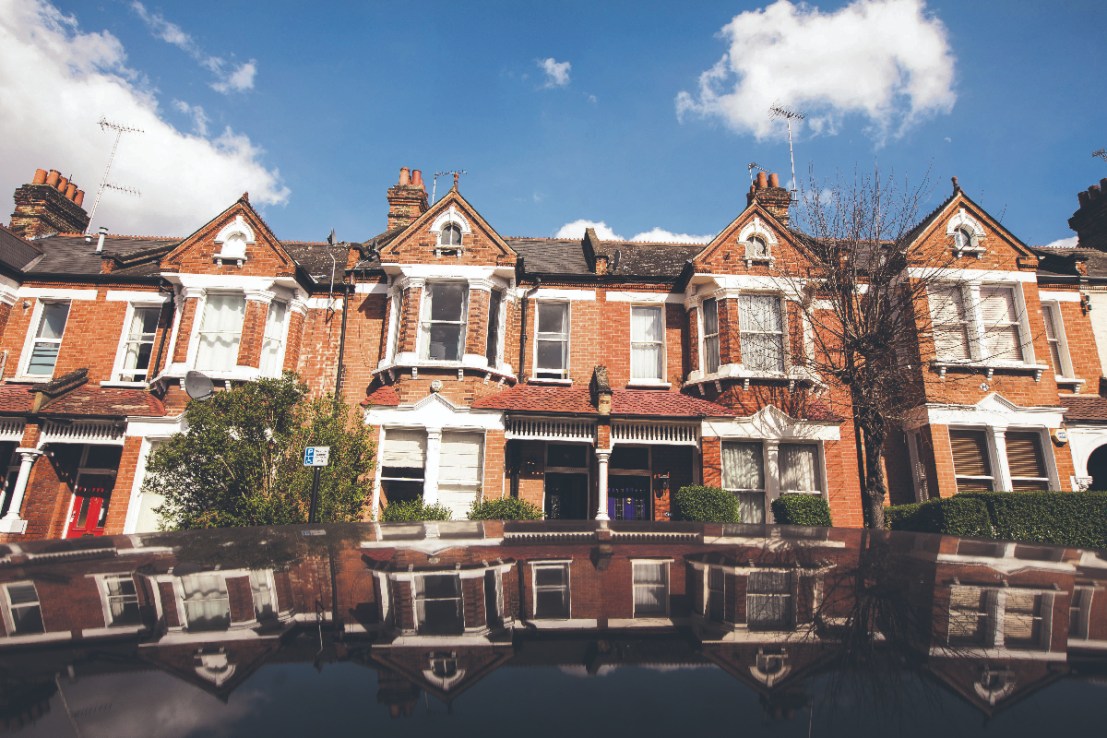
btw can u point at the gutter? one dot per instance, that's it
(523, 333)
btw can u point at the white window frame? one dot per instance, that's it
(275, 333)
(787, 597)
(565, 339)
(425, 322)
(33, 339)
(663, 368)
(772, 470)
(978, 331)
(704, 336)
(416, 598)
(198, 334)
(1051, 315)
(8, 608)
(182, 602)
(995, 438)
(742, 329)
(666, 566)
(119, 367)
(495, 318)
(106, 599)
(535, 587)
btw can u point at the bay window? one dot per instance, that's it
(759, 471)
(1026, 461)
(710, 335)
(762, 332)
(272, 347)
(403, 456)
(981, 323)
(972, 461)
(220, 332)
(799, 471)
(138, 343)
(647, 343)
(1015, 459)
(47, 338)
(438, 605)
(744, 475)
(1055, 337)
(492, 345)
(22, 609)
(443, 324)
(552, 341)
(1001, 324)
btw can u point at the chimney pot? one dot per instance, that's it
(1094, 192)
(417, 179)
(79, 198)
(1103, 183)
(774, 180)
(405, 176)
(40, 177)
(70, 191)
(762, 180)
(100, 240)
(52, 177)
(62, 184)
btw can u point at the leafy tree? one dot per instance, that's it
(240, 461)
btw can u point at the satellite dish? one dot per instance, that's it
(198, 386)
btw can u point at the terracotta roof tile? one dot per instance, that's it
(385, 395)
(111, 402)
(1092, 408)
(15, 398)
(624, 402)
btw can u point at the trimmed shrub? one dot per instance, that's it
(705, 505)
(506, 508)
(1076, 519)
(413, 511)
(801, 510)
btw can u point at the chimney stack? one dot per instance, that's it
(768, 193)
(1090, 220)
(407, 199)
(49, 204)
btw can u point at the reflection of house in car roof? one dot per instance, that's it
(591, 377)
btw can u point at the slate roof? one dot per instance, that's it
(1061, 263)
(1087, 409)
(14, 251)
(315, 259)
(565, 256)
(533, 398)
(71, 254)
(550, 255)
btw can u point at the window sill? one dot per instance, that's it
(738, 371)
(406, 362)
(648, 384)
(31, 378)
(989, 367)
(129, 385)
(550, 380)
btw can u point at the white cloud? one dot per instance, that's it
(196, 112)
(557, 73)
(1062, 243)
(229, 78)
(888, 61)
(576, 228)
(660, 234)
(67, 80)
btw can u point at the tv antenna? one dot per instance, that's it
(754, 167)
(777, 112)
(119, 129)
(434, 184)
(1100, 154)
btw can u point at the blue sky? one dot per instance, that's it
(314, 109)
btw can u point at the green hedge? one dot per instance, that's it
(705, 505)
(1059, 518)
(411, 511)
(801, 510)
(507, 508)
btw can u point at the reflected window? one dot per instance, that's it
(551, 591)
(438, 604)
(769, 600)
(716, 589)
(207, 605)
(968, 614)
(651, 588)
(121, 597)
(261, 587)
(22, 609)
(1023, 619)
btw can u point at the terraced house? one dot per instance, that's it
(591, 377)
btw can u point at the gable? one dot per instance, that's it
(450, 232)
(236, 242)
(754, 243)
(963, 235)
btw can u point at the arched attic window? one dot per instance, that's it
(966, 235)
(450, 229)
(233, 239)
(759, 242)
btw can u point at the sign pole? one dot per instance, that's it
(314, 495)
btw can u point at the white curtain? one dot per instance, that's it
(1001, 324)
(744, 474)
(205, 600)
(220, 332)
(950, 328)
(460, 471)
(274, 339)
(762, 332)
(798, 468)
(140, 341)
(647, 333)
(651, 587)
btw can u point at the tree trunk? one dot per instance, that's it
(876, 484)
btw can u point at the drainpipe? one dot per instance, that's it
(346, 290)
(171, 304)
(523, 333)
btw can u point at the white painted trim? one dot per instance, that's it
(993, 411)
(451, 215)
(554, 293)
(56, 293)
(323, 303)
(158, 298)
(770, 422)
(1058, 296)
(645, 297)
(377, 288)
(449, 271)
(435, 412)
(787, 286)
(971, 276)
(235, 283)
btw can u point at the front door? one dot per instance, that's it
(91, 496)
(566, 496)
(628, 497)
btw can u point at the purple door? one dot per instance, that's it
(628, 498)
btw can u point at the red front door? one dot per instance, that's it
(90, 505)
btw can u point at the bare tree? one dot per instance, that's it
(865, 298)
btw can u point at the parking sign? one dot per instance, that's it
(317, 455)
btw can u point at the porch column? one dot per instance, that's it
(602, 457)
(12, 523)
(430, 466)
(1001, 474)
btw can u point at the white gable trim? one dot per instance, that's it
(993, 411)
(450, 215)
(435, 412)
(772, 422)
